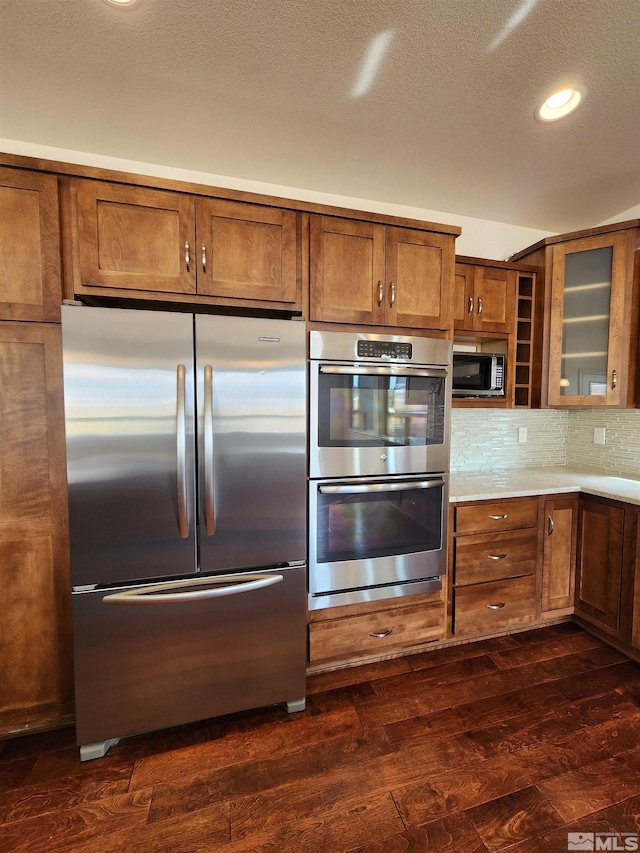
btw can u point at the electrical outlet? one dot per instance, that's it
(599, 435)
(522, 435)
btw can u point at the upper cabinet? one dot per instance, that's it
(589, 345)
(373, 274)
(30, 264)
(484, 298)
(137, 239)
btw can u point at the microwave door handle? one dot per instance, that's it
(386, 370)
(181, 451)
(363, 488)
(209, 513)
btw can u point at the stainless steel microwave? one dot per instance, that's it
(478, 374)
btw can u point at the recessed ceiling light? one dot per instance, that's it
(560, 104)
(123, 4)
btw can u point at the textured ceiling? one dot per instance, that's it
(267, 90)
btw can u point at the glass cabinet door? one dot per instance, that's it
(587, 318)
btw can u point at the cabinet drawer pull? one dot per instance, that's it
(204, 258)
(187, 255)
(479, 306)
(498, 517)
(382, 634)
(380, 294)
(496, 556)
(614, 379)
(470, 311)
(392, 288)
(496, 606)
(551, 525)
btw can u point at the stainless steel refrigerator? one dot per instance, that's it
(186, 461)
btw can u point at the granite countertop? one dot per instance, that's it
(521, 482)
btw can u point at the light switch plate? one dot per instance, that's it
(599, 435)
(522, 435)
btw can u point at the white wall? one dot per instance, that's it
(480, 237)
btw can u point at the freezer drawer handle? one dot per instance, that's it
(181, 451)
(235, 585)
(209, 514)
(364, 488)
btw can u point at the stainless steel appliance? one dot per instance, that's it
(187, 483)
(478, 374)
(380, 404)
(379, 462)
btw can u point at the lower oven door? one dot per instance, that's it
(371, 538)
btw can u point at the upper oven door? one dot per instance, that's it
(372, 419)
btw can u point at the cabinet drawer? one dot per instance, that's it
(493, 556)
(496, 515)
(375, 633)
(488, 607)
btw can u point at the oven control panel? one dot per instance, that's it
(384, 349)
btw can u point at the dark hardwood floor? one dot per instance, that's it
(505, 744)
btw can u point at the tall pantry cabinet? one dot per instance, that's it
(35, 637)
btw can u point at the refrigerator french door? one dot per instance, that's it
(186, 442)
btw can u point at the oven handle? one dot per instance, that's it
(360, 488)
(384, 370)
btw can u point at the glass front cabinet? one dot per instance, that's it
(589, 346)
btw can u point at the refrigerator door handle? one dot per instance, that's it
(150, 594)
(209, 514)
(181, 451)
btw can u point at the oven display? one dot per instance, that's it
(384, 349)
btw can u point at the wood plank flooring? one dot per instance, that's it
(505, 744)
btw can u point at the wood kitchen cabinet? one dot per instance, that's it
(374, 274)
(589, 302)
(558, 531)
(484, 297)
(493, 566)
(605, 565)
(35, 622)
(132, 239)
(374, 630)
(30, 262)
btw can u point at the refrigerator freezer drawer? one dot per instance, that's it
(141, 666)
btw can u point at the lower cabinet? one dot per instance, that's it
(604, 589)
(558, 530)
(493, 566)
(377, 629)
(36, 678)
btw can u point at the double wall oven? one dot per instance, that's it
(378, 466)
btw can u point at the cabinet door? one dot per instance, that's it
(600, 562)
(463, 301)
(495, 300)
(559, 519)
(590, 321)
(246, 251)
(347, 271)
(133, 238)
(419, 278)
(35, 623)
(30, 276)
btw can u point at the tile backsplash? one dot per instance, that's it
(487, 440)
